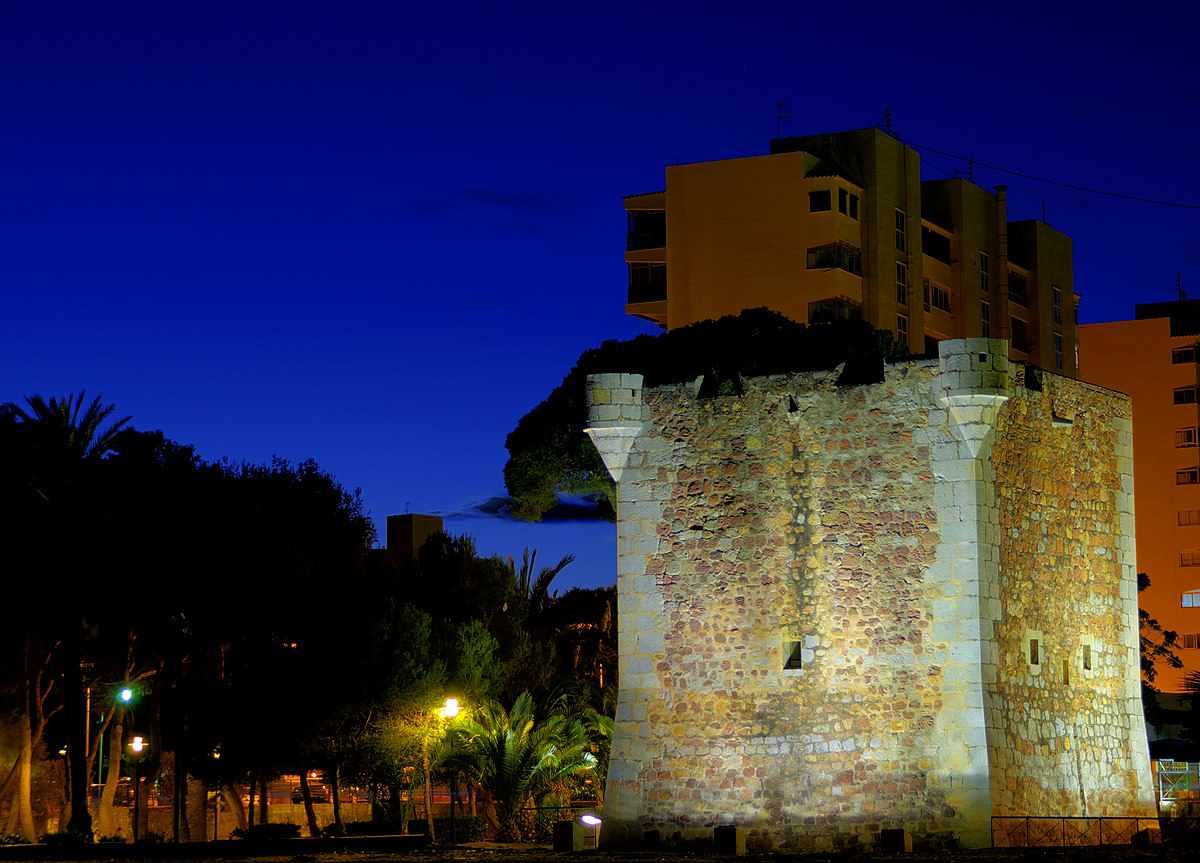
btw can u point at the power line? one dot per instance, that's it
(1075, 250)
(1077, 188)
(1114, 273)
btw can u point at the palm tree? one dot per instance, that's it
(517, 759)
(58, 439)
(536, 591)
(65, 435)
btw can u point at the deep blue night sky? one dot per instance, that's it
(376, 235)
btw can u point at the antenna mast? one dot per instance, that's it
(779, 118)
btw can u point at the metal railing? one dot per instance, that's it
(1031, 831)
(543, 818)
(1177, 781)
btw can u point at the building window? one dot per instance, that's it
(925, 294)
(1018, 288)
(836, 255)
(902, 327)
(1035, 652)
(936, 245)
(984, 271)
(820, 201)
(935, 295)
(1056, 303)
(1087, 657)
(1188, 517)
(1180, 356)
(1189, 558)
(1058, 351)
(985, 320)
(1190, 599)
(848, 204)
(1189, 640)
(901, 231)
(1020, 335)
(901, 284)
(1066, 672)
(793, 654)
(1185, 437)
(1185, 395)
(1187, 476)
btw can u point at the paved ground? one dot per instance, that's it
(498, 853)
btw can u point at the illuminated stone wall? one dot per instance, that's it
(826, 597)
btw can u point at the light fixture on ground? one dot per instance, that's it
(593, 822)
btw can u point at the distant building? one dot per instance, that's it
(1153, 358)
(407, 533)
(842, 226)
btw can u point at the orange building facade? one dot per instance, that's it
(1153, 358)
(842, 226)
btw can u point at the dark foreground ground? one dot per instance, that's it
(495, 853)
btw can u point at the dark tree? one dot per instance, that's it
(549, 454)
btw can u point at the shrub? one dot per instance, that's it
(467, 828)
(65, 837)
(270, 830)
(13, 839)
(114, 838)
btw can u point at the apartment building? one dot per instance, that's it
(1153, 358)
(842, 226)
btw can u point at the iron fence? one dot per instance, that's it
(543, 818)
(1030, 831)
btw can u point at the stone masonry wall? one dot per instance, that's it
(1063, 740)
(810, 592)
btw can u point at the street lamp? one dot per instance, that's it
(448, 710)
(124, 699)
(136, 746)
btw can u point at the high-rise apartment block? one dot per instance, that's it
(842, 226)
(1153, 359)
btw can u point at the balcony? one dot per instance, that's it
(646, 293)
(647, 283)
(646, 229)
(838, 255)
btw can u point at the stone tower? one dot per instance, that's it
(910, 604)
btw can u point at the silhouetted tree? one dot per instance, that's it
(550, 455)
(1156, 645)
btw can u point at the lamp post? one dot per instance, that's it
(449, 712)
(124, 697)
(136, 747)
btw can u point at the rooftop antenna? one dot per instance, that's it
(885, 122)
(779, 118)
(1179, 287)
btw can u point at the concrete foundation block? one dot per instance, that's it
(568, 836)
(729, 840)
(895, 840)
